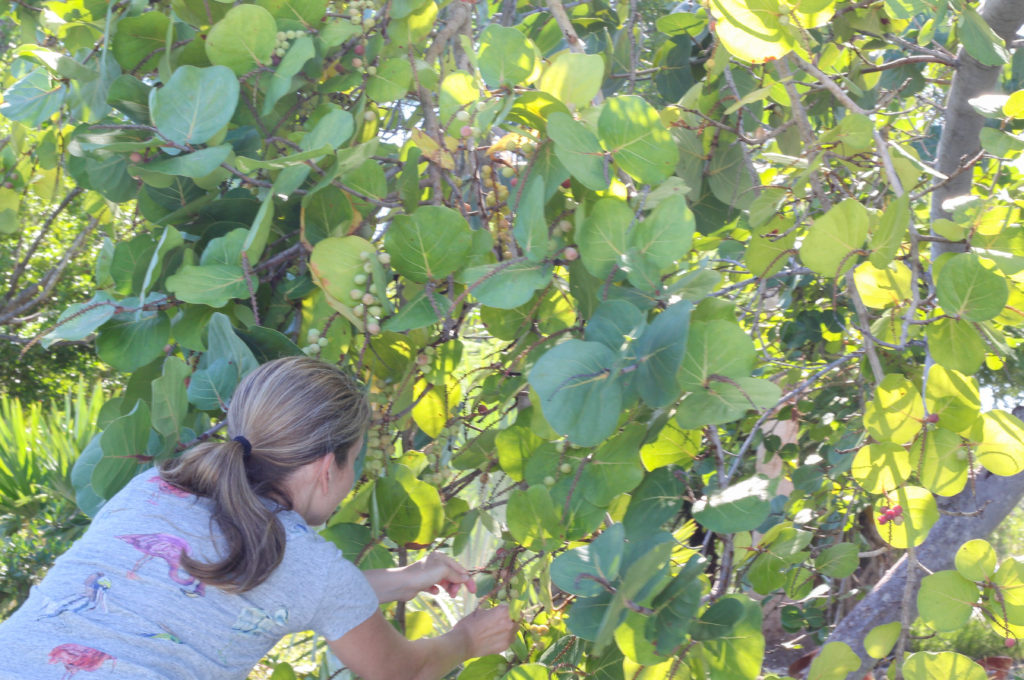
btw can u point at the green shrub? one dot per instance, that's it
(38, 516)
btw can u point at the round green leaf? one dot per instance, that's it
(335, 262)
(580, 396)
(971, 288)
(308, 12)
(888, 235)
(602, 237)
(881, 467)
(743, 506)
(506, 286)
(131, 340)
(632, 131)
(944, 468)
(577, 571)
(955, 344)
(410, 510)
(896, 412)
(838, 561)
(718, 621)
(507, 57)
(726, 400)
(946, 600)
(1013, 107)
(751, 32)
(579, 151)
(654, 502)
(33, 99)
(615, 468)
(953, 397)
(430, 244)
(728, 176)
(999, 441)
(244, 39)
(530, 671)
(831, 245)
(80, 320)
(881, 639)
(718, 348)
(658, 354)
(919, 514)
(770, 246)
(573, 79)
(534, 520)
(214, 285)
(195, 103)
(833, 662)
(666, 235)
(673, 446)
(883, 287)
(392, 80)
(941, 666)
(976, 560)
(139, 41)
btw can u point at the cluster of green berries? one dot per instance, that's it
(316, 342)
(367, 304)
(893, 514)
(284, 41)
(378, 450)
(357, 13)
(497, 192)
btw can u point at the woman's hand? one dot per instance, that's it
(489, 631)
(432, 574)
(437, 572)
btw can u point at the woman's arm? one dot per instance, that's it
(434, 573)
(374, 650)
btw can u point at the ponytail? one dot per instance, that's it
(290, 412)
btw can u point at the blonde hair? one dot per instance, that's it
(292, 411)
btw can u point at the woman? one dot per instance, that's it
(197, 570)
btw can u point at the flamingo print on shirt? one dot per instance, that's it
(165, 487)
(78, 658)
(169, 549)
(94, 597)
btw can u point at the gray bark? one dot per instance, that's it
(962, 125)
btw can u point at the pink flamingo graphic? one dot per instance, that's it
(163, 486)
(169, 549)
(78, 658)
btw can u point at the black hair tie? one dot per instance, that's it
(246, 447)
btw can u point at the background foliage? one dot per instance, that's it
(685, 306)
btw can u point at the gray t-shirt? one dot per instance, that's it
(119, 605)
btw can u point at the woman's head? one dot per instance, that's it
(292, 413)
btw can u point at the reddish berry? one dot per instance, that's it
(466, 131)
(571, 254)
(1009, 642)
(359, 49)
(135, 157)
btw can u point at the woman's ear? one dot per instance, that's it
(324, 471)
